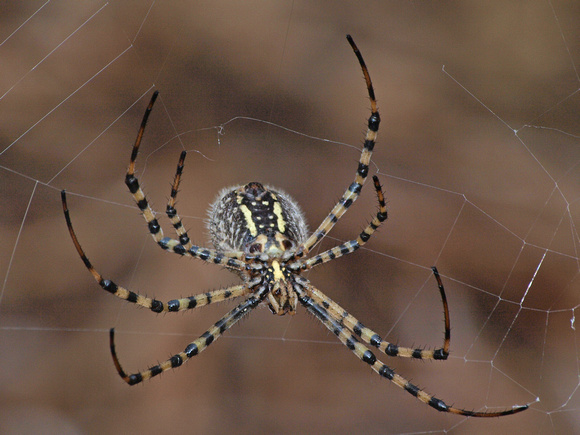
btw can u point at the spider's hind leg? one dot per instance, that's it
(172, 212)
(167, 243)
(361, 240)
(352, 192)
(139, 196)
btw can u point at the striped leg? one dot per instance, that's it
(152, 304)
(366, 355)
(195, 347)
(353, 325)
(167, 243)
(353, 245)
(353, 191)
(171, 212)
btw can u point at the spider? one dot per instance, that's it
(261, 234)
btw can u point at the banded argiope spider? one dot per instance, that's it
(261, 234)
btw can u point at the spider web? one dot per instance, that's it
(479, 155)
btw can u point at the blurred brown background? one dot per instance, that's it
(478, 153)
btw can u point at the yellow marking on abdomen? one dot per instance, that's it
(248, 217)
(278, 212)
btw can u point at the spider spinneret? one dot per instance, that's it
(260, 234)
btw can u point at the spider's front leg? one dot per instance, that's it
(144, 301)
(195, 347)
(350, 340)
(352, 324)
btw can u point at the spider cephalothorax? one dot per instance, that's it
(266, 226)
(260, 234)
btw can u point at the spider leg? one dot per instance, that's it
(352, 324)
(172, 214)
(353, 245)
(353, 191)
(167, 243)
(365, 354)
(152, 304)
(196, 346)
(171, 211)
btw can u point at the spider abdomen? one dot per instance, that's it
(256, 220)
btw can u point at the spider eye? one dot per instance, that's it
(287, 244)
(256, 247)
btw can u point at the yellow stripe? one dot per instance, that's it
(278, 213)
(278, 275)
(248, 216)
